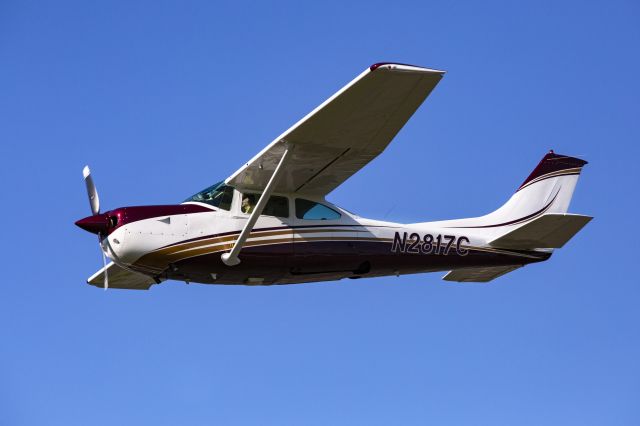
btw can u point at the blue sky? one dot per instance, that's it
(165, 98)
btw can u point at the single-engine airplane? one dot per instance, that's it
(269, 222)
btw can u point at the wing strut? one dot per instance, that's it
(231, 258)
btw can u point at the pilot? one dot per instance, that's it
(248, 203)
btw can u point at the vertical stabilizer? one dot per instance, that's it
(548, 189)
(556, 176)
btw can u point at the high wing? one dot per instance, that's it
(344, 133)
(121, 278)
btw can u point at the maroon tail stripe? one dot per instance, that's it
(511, 222)
(553, 162)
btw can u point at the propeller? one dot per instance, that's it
(92, 192)
(94, 203)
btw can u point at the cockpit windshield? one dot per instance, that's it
(218, 195)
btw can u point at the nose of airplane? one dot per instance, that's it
(96, 224)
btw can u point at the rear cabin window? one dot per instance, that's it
(310, 210)
(276, 206)
(218, 195)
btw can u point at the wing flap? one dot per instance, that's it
(479, 275)
(344, 133)
(121, 278)
(548, 231)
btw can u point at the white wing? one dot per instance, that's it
(344, 133)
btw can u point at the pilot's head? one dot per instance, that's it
(248, 203)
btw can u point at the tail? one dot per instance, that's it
(548, 189)
(535, 216)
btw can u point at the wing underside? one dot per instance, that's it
(121, 278)
(344, 133)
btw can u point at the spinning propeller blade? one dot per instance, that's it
(94, 200)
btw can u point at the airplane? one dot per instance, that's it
(269, 223)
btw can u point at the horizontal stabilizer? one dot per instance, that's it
(121, 278)
(479, 275)
(547, 231)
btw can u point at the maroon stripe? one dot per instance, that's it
(511, 222)
(380, 64)
(127, 215)
(553, 162)
(274, 228)
(549, 177)
(105, 223)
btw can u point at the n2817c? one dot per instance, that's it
(429, 244)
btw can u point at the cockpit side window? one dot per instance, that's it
(310, 210)
(276, 206)
(218, 195)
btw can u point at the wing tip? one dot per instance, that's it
(403, 67)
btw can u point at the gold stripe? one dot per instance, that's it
(255, 234)
(554, 174)
(306, 239)
(160, 260)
